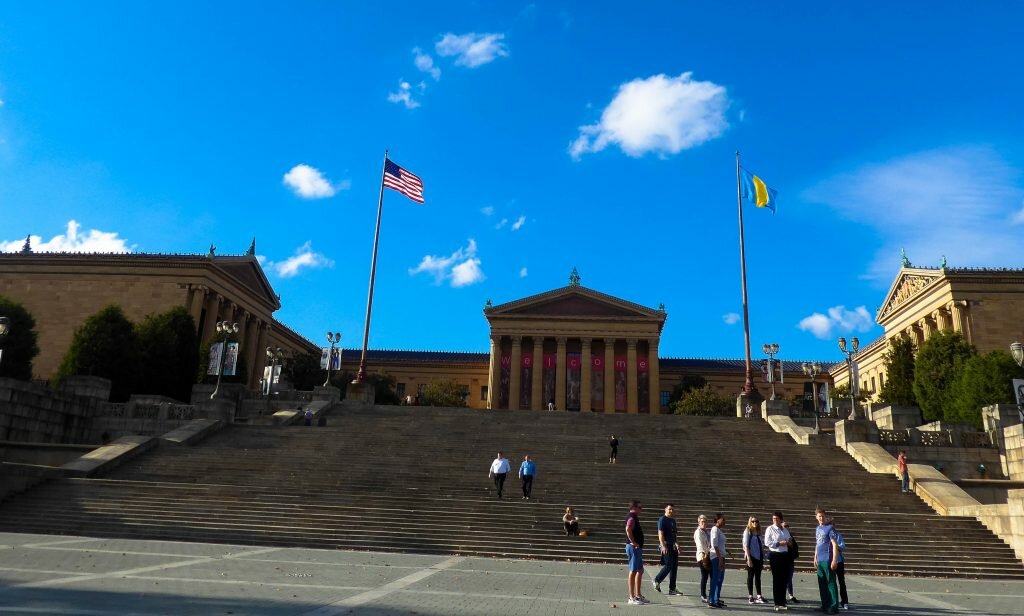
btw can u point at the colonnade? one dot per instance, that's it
(207, 307)
(515, 357)
(953, 316)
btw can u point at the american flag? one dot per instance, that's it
(404, 182)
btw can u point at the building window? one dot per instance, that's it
(664, 397)
(872, 384)
(400, 390)
(483, 393)
(881, 380)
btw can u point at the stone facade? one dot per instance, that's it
(985, 305)
(62, 290)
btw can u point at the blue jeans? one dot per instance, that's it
(717, 577)
(906, 481)
(669, 569)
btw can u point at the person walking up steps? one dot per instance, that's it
(527, 470)
(753, 552)
(702, 539)
(499, 470)
(635, 554)
(614, 454)
(901, 466)
(669, 551)
(777, 539)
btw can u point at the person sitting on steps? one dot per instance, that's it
(571, 523)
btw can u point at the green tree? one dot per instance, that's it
(842, 392)
(303, 371)
(688, 383)
(20, 345)
(105, 345)
(898, 389)
(169, 354)
(982, 380)
(939, 359)
(443, 392)
(703, 401)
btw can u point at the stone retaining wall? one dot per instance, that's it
(35, 413)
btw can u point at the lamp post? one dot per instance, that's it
(334, 339)
(813, 369)
(1017, 350)
(5, 326)
(273, 356)
(771, 350)
(226, 328)
(854, 345)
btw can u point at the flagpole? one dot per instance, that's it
(748, 385)
(361, 374)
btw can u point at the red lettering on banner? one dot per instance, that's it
(597, 362)
(574, 362)
(527, 361)
(550, 361)
(641, 365)
(620, 364)
(506, 361)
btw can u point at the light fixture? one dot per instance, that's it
(5, 326)
(1017, 350)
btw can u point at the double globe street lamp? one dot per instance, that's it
(771, 350)
(854, 345)
(813, 369)
(274, 357)
(334, 339)
(226, 328)
(1017, 350)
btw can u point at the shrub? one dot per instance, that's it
(106, 346)
(898, 389)
(20, 345)
(443, 392)
(703, 401)
(981, 380)
(169, 354)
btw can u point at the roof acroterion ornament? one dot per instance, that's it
(488, 304)
(27, 246)
(574, 278)
(903, 257)
(943, 263)
(213, 250)
(252, 248)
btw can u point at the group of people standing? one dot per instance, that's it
(776, 544)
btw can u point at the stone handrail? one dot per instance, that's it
(894, 437)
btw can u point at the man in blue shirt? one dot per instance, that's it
(527, 470)
(669, 551)
(826, 560)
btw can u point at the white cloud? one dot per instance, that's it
(461, 268)
(472, 50)
(403, 95)
(504, 221)
(309, 183)
(731, 318)
(487, 211)
(304, 258)
(658, 114)
(72, 240)
(838, 319)
(518, 224)
(425, 63)
(523, 273)
(1018, 217)
(961, 202)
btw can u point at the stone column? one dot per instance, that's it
(492, 371)
(961, 318)
(213, 302)
(609, 375)
(515, 372)
(560, 374)
(586, 370)
(939, 318)
(631, 387)
(925, 325)
(654, 376)
(537, 386)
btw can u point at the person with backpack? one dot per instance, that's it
(794, 555)
(778, 540)
(844, 599)
(753, 552)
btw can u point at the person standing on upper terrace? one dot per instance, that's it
(904, 471)
(527, 470)
(499, 470)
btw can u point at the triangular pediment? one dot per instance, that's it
(574, 301)
(909, 282)
(247, 270)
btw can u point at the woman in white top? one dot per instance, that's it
(702, 539)
(777, 539)
(753, 551)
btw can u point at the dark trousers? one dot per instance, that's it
(499, 482)
(670, 567)
(782, 573)
(754, 577)
(841, 578)
(572, 528)
(527, 485)
(705, 573)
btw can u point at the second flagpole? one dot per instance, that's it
(748, 385)
(361, 374)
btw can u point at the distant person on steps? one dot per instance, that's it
(571, 523)
(614, 454)
(499, 470)
(527, 471)
(901, 466)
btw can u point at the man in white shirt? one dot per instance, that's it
(499, 470)
(777, 540)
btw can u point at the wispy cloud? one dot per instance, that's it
(487, 211)
(731, 318)
(472, 50)
(501, 223)
(838, 319)
(460, 269)
(659, 114)
(72, 240)
(403, 95)
(303, 259)
(425, 63)
(962, 202)
(309, 183)
(518, 224)
(523, 273)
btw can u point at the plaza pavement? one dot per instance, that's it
(60, 575)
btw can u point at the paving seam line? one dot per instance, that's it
(930, 602)
(335, 608)
(45, 544)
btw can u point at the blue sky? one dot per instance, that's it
(550, 135)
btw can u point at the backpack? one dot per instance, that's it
(794, 549)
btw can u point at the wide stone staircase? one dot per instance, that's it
(414, 479)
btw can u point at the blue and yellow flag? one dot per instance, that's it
(753, 189)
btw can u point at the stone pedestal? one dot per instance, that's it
(753, 399)
(87, 387)
(218, 408)
(774, 407)
(326, 394)
(855, 431)
(360, 393)
(999, 416)
(898, 417)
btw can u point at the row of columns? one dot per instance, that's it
(586, 375)
(953, 316)
(252, 331)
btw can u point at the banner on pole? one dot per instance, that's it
(231, 359)
(213, 366)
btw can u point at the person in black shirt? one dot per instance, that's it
(635, 554)
(669, 551)
(614, 444)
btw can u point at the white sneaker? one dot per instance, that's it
(845, 606)
(643, 600)
(634, 602)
